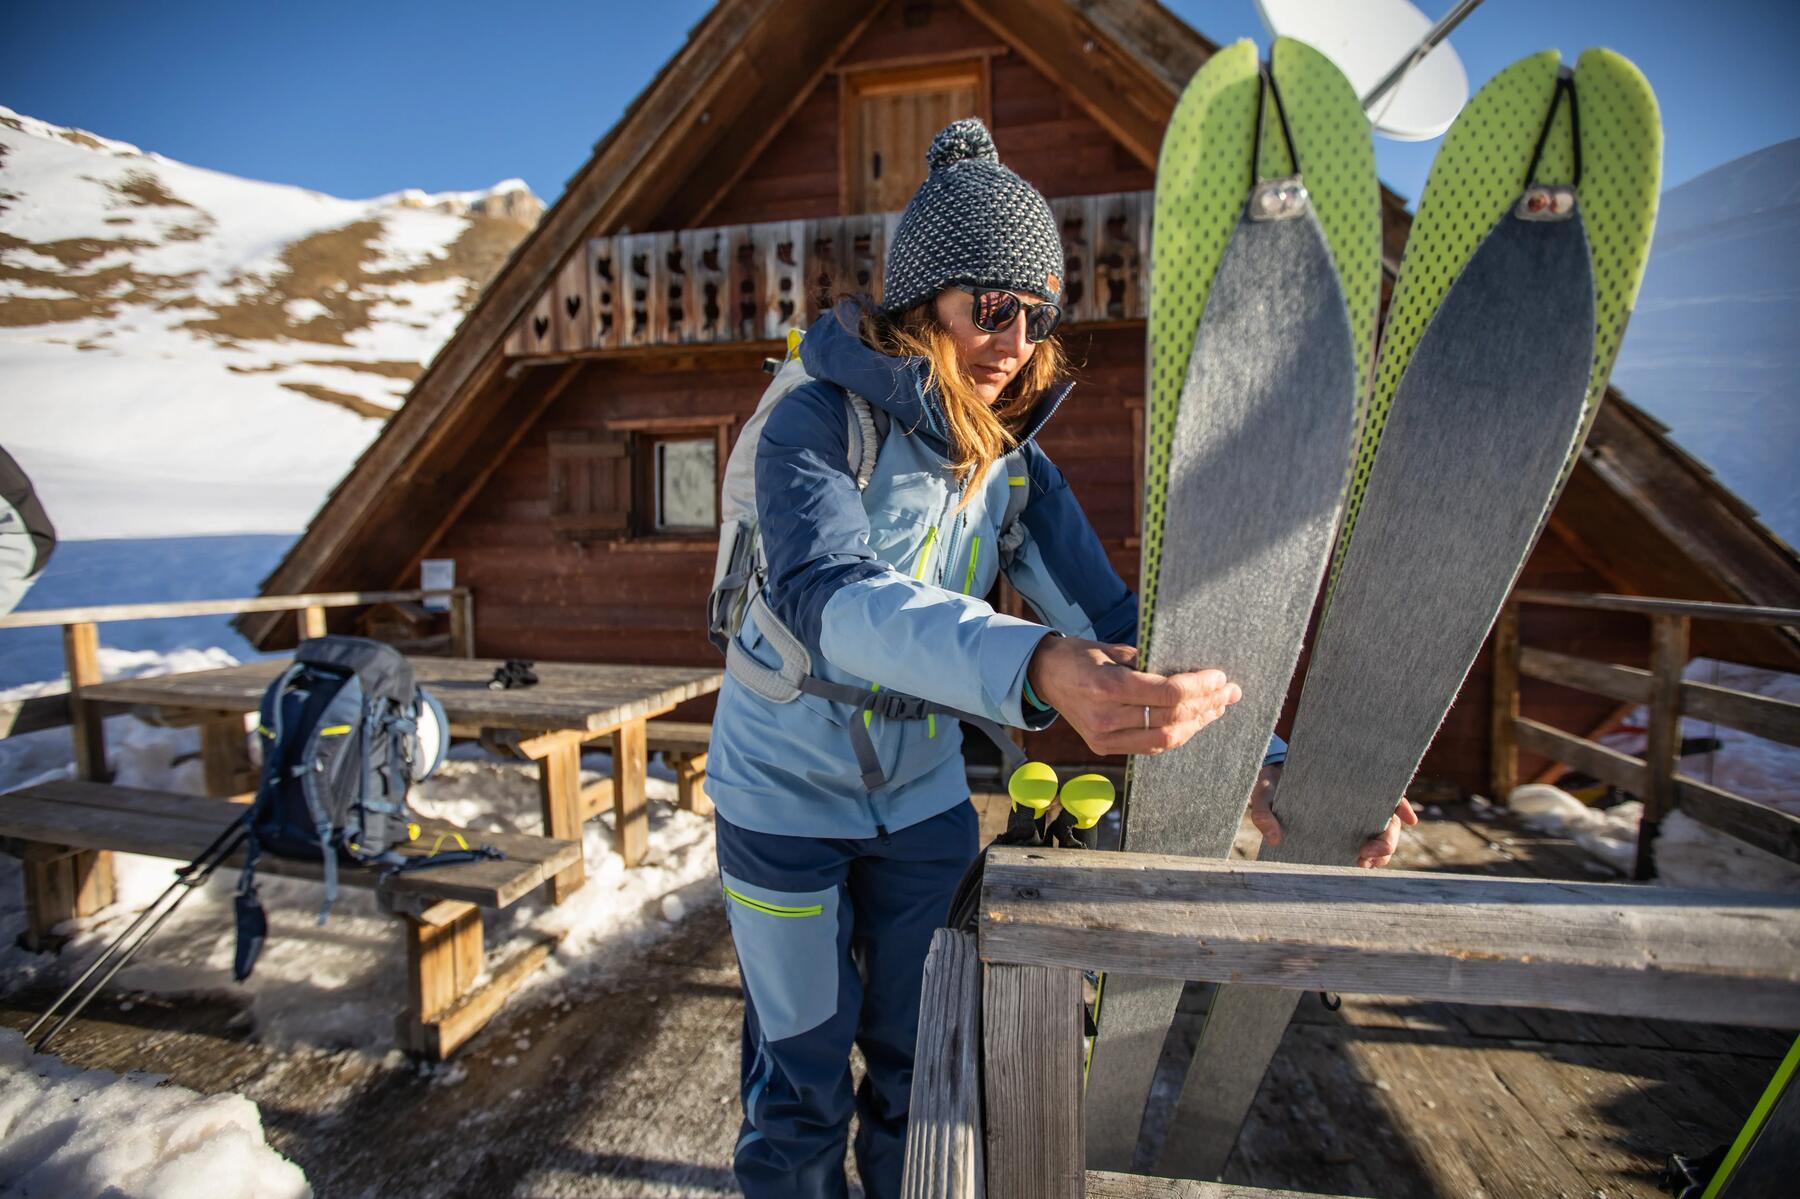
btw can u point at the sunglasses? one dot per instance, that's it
(995, 310)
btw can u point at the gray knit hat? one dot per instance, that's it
(975, 221)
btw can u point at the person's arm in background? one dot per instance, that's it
(27, 537)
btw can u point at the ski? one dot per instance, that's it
(1511, 301)
(1265, 282)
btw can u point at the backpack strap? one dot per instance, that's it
(865, 438)
(1018, 494)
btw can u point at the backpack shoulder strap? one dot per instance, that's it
(865, 437)
(1018, 494)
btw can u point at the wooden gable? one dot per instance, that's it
(806, 169)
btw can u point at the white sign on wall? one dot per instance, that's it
(437, 574)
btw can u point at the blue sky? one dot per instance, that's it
(357, 99)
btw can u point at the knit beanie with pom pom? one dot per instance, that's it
(972, 221)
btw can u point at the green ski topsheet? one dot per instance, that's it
(1485, 153)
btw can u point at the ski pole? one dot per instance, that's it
(190, 876)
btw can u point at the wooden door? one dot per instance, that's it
(892, 117)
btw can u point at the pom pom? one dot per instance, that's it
(963, 141)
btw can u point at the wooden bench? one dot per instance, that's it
(53, 827)
(683, 745)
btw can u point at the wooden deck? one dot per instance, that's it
(630, 1090)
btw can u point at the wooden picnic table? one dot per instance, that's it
(571, 703)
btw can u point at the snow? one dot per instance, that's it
(1711, 350)
(339, 986)
(67, 1133)
(131, 424)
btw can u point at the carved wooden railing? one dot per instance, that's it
(749, 283)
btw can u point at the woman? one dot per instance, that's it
(837, 868)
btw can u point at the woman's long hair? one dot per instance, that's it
(979, 434)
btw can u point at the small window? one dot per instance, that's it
(683, 493)
(649, 479)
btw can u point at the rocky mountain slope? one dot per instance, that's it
(183, 351)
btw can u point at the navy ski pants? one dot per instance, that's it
(831, 938)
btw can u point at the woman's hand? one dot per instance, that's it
(1097, 690)
(1377, 851)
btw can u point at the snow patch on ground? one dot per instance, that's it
(339, 986)
(1610, 834)
(84, 1134)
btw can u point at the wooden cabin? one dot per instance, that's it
(564, 448)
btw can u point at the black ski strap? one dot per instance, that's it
(1565, 86)
(1267, 86)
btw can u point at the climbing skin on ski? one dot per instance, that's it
(1266, 262)
(1512, 297)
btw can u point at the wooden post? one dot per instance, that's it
(444, 956)
(81, 654)
(312, 622)
(462, 623)
(1668, 658)
(81, 883)
(225, 756)
(1031, 1077)
(1503, 770)
(943, 1140)
(690, 782)
(631, 815)
(559, 782)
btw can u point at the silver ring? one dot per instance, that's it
(1146, 715)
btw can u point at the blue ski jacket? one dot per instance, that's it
(884, 587)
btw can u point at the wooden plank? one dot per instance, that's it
(1768, 829)
(1106, 1184)
(559, 786)
(637, 265)
(1662, 754)
(680, 736)
(156, 824)
(1604, 763)
(588, 697)
(1031, 1080)
(944, 1135)
(706, 255)
(105, 613)
(1696, 609)
(605, 295)
(1503, 747)
(690, 783)
(1075, 224)
(572, 304)
(1625, 683)
(631, 811)
(1758, 715)
(1719, 956)
(39, 712)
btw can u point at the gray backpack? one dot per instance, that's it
(740, 569)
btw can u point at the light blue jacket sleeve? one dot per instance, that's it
(861, 615)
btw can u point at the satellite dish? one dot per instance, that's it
(1411, 82)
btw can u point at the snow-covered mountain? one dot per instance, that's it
(184, 351)
(1713, 349)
